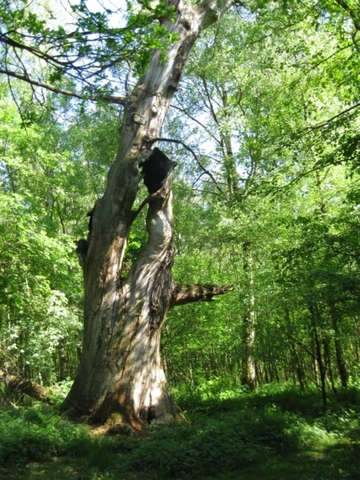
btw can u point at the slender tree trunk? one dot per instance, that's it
(295, 357)
(319, 356)
(328, 363)
(341, 365)
(120, 369)
(248, 375)
(63, 361)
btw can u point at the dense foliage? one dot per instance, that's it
(269, 202)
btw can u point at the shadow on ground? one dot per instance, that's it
(287, 435)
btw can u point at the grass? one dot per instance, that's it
(276, 433)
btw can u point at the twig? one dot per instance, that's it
(180, 142)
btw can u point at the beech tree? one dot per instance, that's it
(120, 368)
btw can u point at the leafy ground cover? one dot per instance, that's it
(276, 433)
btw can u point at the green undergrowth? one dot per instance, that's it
(278, 433)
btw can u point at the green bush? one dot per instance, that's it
(225, 442)
(34, 434)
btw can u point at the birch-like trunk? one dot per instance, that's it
(248, 367)
(120, 369)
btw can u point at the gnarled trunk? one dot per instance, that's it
(120, 368)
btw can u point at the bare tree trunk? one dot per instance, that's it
(24, 386)
(318, 355)
(341, 365)
(295, 357)
(248, 368)
(120, 369)
(63, 361)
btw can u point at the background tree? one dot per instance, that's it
(269, 92)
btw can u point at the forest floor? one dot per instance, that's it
(274, 434)
(312, 465)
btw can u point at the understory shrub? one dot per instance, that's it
(220, 435)
(36, 434)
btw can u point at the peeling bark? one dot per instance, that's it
(120, 369)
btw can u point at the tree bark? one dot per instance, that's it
(341, 365)
(197, 293)
(63, 361)
(21, 385)
(318, 353)
(120, 368)
(248, 367)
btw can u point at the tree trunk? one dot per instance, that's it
(120, 368)
(341, 365)
(63, 361)
(319, 357)
(295, 357)
(24, 386)
(248, 368)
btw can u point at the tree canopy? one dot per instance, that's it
(264, 127)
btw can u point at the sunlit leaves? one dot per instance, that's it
(80, 43)
(34, 268)
(51, 174)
